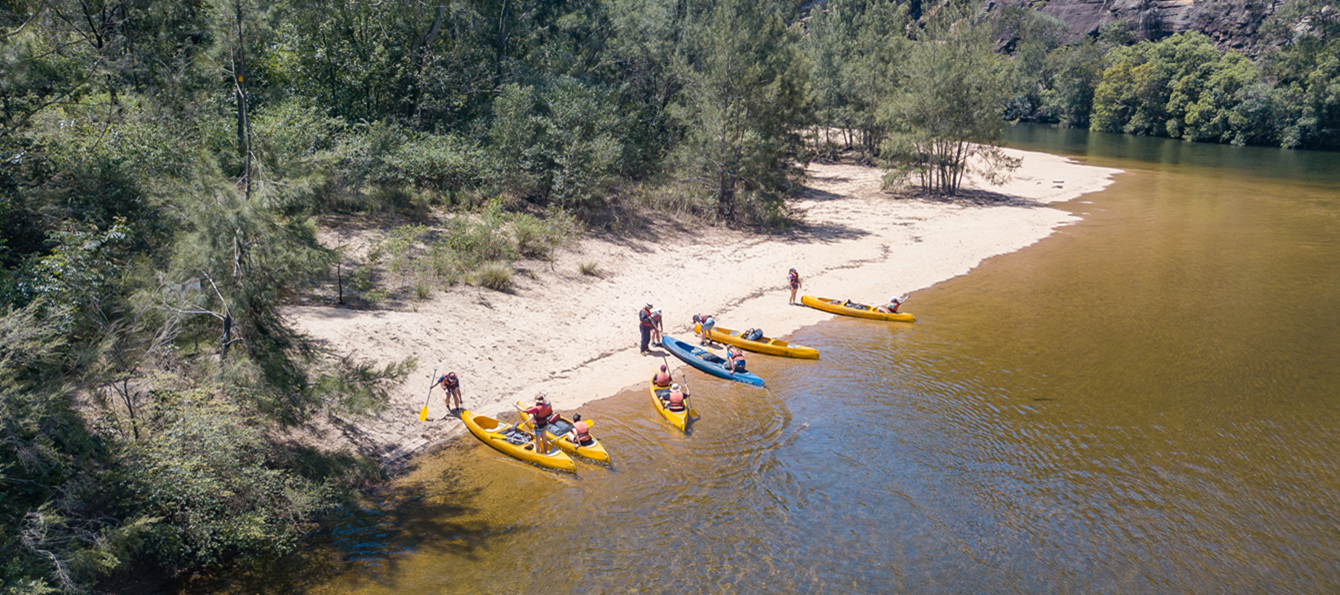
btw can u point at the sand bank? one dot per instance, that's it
(576, 336)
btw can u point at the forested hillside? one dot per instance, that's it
(165, 167)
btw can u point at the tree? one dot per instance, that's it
(948, 118)
(854, 48)
(741, 106)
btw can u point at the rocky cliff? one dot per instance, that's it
(1232, 24)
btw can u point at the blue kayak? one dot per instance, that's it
(707, 361)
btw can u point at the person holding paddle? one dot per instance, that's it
(452, 386)
(661, 378)
(541, 415)
(675, 402)
(892, 306)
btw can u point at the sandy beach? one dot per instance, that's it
(575, 336)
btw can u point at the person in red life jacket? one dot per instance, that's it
(657, 328)
(708, 323)
(675, 402)
(645, 325)
(661, 378)
(734, 359)
(793, 279)
(580, 433)
(892, 306)
(452, 385)
(541, 415)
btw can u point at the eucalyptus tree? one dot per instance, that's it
(741, 106)
(855, 48)
(947, 120)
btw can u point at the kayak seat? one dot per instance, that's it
(663, 393)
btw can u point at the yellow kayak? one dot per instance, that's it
(762, 345)
(496, 434)
(558, 436)
(857, 310)
(679, 419)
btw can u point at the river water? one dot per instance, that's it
(1144, 402)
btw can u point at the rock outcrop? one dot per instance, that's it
(1231, 24)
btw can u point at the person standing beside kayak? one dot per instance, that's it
(645, 324)
(657, 328)
(540, 416)
(452, 386)
(708, 323)
(793, 279)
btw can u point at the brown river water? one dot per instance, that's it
(1144, 402)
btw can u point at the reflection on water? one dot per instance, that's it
(1144, 402)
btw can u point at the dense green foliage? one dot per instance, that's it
(164, 166)
(949, 122)
(1182, 86)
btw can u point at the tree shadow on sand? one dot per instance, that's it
(972, 197)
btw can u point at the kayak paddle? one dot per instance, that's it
(685, 377)
(423, 413)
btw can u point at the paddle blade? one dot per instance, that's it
(423, 413)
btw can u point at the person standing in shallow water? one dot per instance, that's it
(793, 279)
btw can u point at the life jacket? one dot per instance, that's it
(661, 379)
(544, 414)
(676, 402)
(644, 317)
(794, 278)
(450, 381)
(583, 434)
(736, 360)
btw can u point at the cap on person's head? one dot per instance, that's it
(662, 367)
(675, 387)
(648, 306)
(793, 268)
(542, 397)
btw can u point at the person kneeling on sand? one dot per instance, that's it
(734, 359)
(541, 415)
(662, 378)
(892, 306)
(675, 402)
